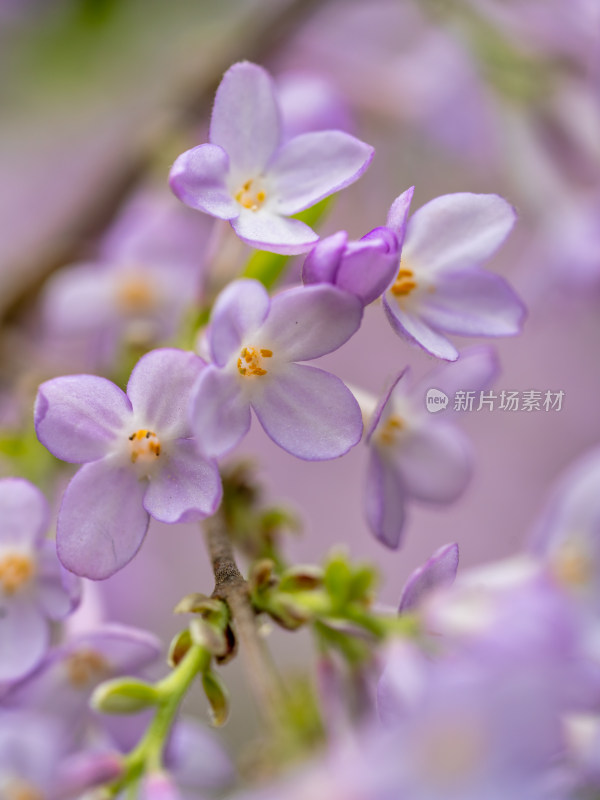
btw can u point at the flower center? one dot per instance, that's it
(85, 667)
(251, 195)
(135, 295)
(251, 361)
(145, 446)
(21, 790)
(572, 566)
(405, 282)
(16, 570)
(390, 429)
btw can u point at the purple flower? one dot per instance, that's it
(139, 459)
(567, 535)
(255, 342)
(147, 274)
(440, 287)
(414, 454)
(248, 176)
(31, 746)
(34, 588)
(62, 685)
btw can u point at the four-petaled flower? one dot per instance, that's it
(33, 586)
(413, 454)
(440, 287)
(252, 178)
(255, 342)
(138, 455)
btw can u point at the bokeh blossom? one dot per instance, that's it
(248, 176)
(414, 455)
(138, 455)
(34, 588)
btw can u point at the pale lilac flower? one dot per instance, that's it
(34, 588)
(437, 572)
(364, 268)
(440, 287)
(309, 102)
(255, 342)
(31, 746)
(415, 455)
(567, 535)
(248, 176)
(147, 274)
(62, 685)
(139, 460)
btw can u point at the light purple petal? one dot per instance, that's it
(437, 572)
(411, 327)
(321, 264)
(401, 382)
(127, 649)
(456, 231)
(198, 179)
(80, 300)
(219, 412)
(24, 638)
(435, 462)
(186, 488)
(240, 309)
(245, 120)
(268, 231)
(370, 265)
(473, 302)
(101, 522)
(24, 512)
(158, 786)
(476, 369)
(197, 758)
(309, 321)
(313, 165)
(79, 417)
(397, 218)
(160, 387)
(384, 500)
(310, 413)
(58, 590)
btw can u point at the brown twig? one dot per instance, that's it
(232, 588)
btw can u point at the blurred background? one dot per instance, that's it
(99, 96)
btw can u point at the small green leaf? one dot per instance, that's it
(218, 698)
(124, 696)
(179, 646)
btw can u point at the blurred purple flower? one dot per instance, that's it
(31, 746)
(440, 287)
(34, 588)
(138, 455)
(309, 102)
(63, 684)
(148, 273)
(255, 342)
(414, 454)
(248, 176)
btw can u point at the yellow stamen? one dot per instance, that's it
(144, 444)
(572, 566)
(135, 295)
(21, 790)
(390, 429)
(404, 283)
(250, 196)
(85, 667)
(251, 360)
(16, 569)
